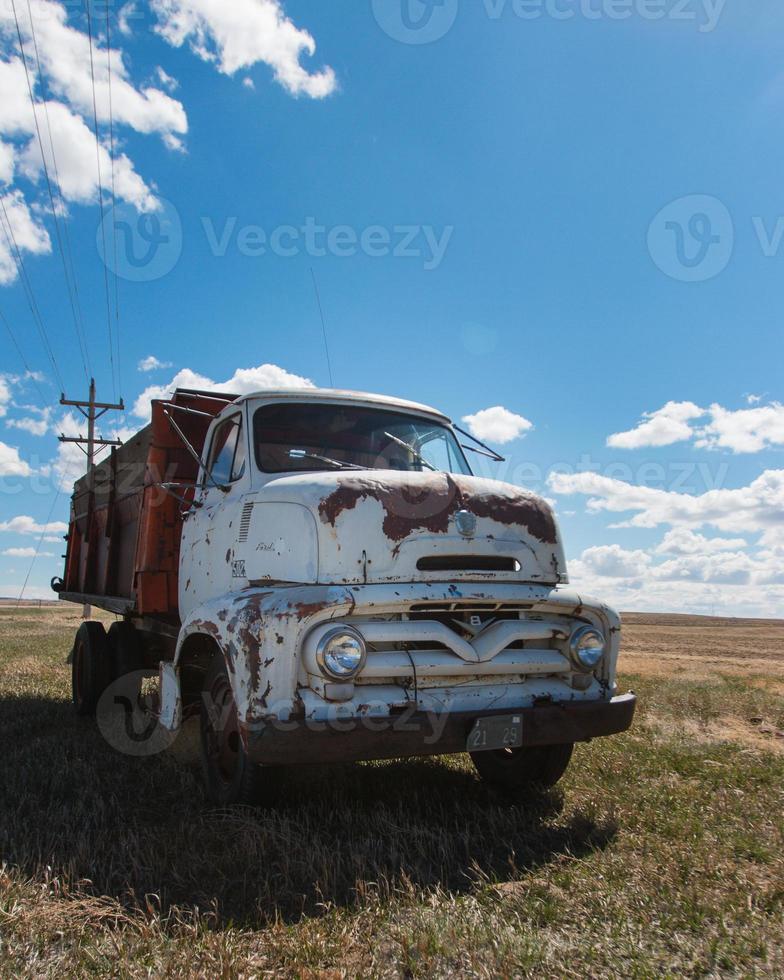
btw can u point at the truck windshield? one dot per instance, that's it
(295, 437)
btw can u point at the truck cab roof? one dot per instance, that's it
(334, 396)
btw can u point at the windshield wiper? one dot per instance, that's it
(302, 454)
(414, 452)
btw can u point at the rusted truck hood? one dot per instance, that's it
(383, 526)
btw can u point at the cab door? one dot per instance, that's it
(207, 565)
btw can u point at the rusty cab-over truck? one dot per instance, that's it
(319, 576)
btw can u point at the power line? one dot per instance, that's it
(38, 549)
(323, 327)
(100, 198)
(114, 199)
(28, 288)
(30, 373)
(68, 265)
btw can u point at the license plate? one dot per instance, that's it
(503, 732)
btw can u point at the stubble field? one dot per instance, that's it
(660, 853)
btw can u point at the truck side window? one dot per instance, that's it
(227, 454)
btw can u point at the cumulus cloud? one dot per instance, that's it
(244, 381)
(64, 107)
(664, 427)
(11, 463)
(745, 430)
(152, 363)
(18, 230)
(72, 87)
(728, 583)
(497, 425)
(26, 553)
(237, 35)
(29, 526)
(34, 426)
(682, 541)
(5, 396)
(613, 561)
(748, 430)
(756, 507)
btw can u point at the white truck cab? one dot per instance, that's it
(349, 590)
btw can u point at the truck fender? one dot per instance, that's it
(234, 627)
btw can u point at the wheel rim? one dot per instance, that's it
(223, 733)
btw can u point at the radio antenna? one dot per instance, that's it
(323, 327)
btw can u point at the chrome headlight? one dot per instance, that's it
(341, 653)
(587, 646)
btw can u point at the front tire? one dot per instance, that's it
(230, 776)
(522, 772)
(90, 668)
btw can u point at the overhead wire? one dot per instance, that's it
(38, 549)
(114, 200)
(13, 248)
(29, 372)
(63, 238)
(100, 200)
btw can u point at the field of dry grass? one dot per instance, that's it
(661, 852)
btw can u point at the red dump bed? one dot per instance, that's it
(124, 535)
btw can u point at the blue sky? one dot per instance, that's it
(566, 209)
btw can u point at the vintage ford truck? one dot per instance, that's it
(320, 578)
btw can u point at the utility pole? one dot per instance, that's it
(92, 411)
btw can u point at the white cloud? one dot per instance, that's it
(682, 541)
(661, 428)
(756, 507)
(75, 149)
(244, 381)
(65, 60)
(28, 525)
(240, 34)
(5, 396)
(152, 363)
(249, 83)
(6, 163)
(169, 83)
(748, 430)
(34, 425)
(11, 464)
(728, 568)
(26, 553)
(64, 52)
(730, 583)
(497, 425)
(126, 14)
(29, 234)
(613, 561)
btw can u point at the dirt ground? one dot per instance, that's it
(655, 644)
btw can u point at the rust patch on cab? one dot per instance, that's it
(430, 503)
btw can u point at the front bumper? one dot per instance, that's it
(419, 733)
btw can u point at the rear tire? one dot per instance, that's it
(90, 668)
(229, 775)
(521, 772)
